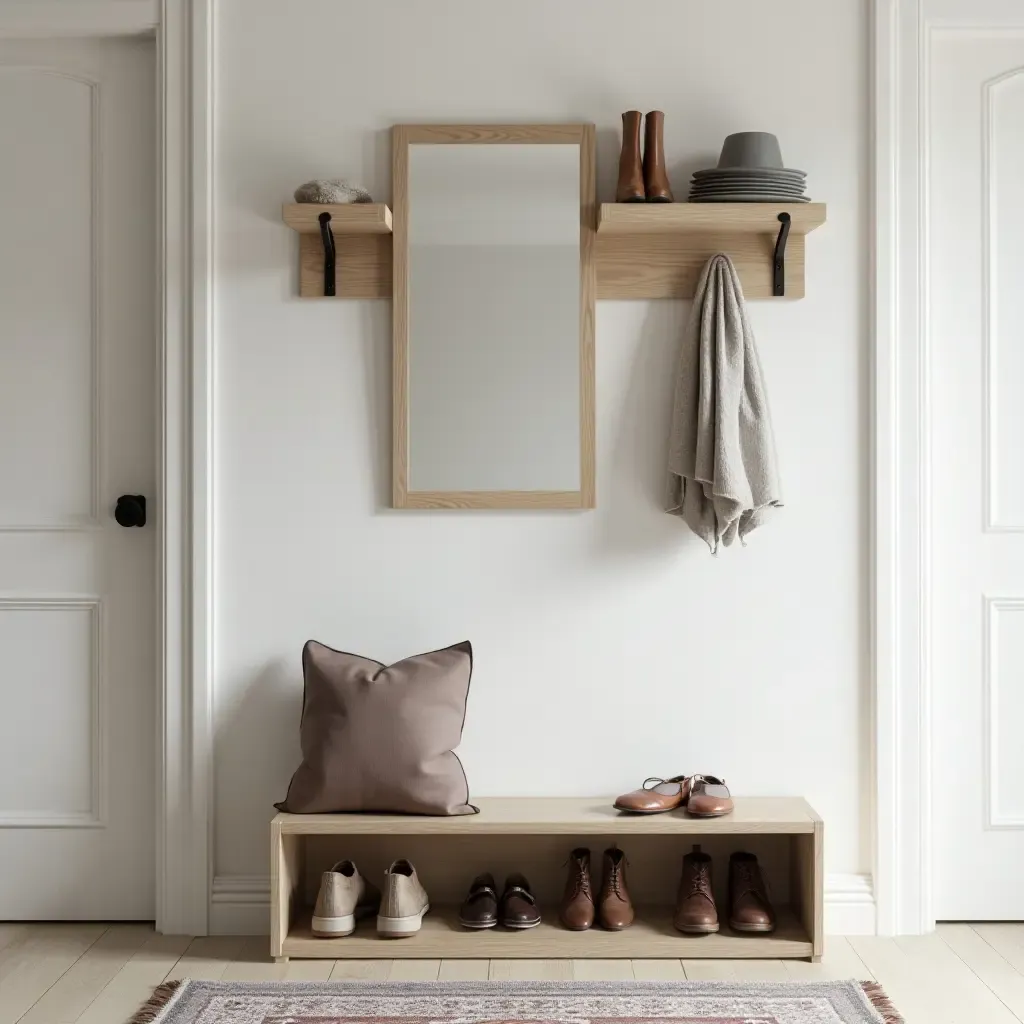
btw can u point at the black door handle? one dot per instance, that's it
(130, 510)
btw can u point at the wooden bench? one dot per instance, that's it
(535, 836)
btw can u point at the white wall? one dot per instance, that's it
(609, 645)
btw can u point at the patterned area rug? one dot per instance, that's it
(525, 1002)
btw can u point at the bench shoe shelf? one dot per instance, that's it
(535, 835)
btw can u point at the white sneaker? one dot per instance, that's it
(404, 902)
(344, 897)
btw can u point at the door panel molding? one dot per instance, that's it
(903, 33)
(992, 336)
(993, 610)
(96, 815)
(91, 519)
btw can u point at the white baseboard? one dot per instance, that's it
(849, 905)
(240, 905)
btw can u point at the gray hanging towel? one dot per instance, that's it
(723, 478)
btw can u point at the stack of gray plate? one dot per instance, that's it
(750, 170)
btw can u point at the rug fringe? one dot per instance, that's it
(150, 1010)
(881, 1002)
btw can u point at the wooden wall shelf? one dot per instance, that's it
(362, 240)
(535, 835)
(719, 218)
(643, 251)
(657, 250)
(346, 218)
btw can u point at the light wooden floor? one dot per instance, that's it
(100, 974)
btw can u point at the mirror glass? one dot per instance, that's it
(494, 317)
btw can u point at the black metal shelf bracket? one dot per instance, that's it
(779, 263)
(327, 237)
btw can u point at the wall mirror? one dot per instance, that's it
(494, 288)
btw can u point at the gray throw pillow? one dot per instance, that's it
(381, 737)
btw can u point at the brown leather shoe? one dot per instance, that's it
(709, 797)
(656, 796)
(615, 907)
(656, 186)
(577, 911)
(518, 904)
(480, 910)
(696, 913)
(750, 910)
(630, 188)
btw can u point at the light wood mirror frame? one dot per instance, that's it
(402, 137)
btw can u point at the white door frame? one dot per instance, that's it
(183, 394)
(903, 33)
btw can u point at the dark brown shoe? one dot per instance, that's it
(630, 188)
(577, 911)
(615, 909)
(518, 904)
(655, 796)
(656, 186)
(696, 913)
(750, 910)
(709, 797)
(480, 909)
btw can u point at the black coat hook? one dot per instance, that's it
(327, 237)
(779, 264)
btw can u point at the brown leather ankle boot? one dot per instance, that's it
(615, 906)
(696, 913)
(656, 186)
(631, 178)
(577, 911)
(750, 909)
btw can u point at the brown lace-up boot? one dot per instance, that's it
(615, 906)
(750, 910)
(696, 913)
(630, 188)
(577, 910)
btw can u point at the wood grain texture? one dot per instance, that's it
(32, 964)
(637, 253)
(651, 935)
(588, 297)
(69, 998)
(207, 958)
(346, 218)
(302, 844)
(493, 500)
(362, 267)
(657, 251)
(400, 317)
(286, 866)
(717, 218)
(954, 976)
(464, 970)
(658, 970)
(663, 265)
(491, 134)
(572, 816)
(807, 883)
(134, 983)
(402, 136)
(817, 891)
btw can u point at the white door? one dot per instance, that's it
(77, 427)
(975, 311)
